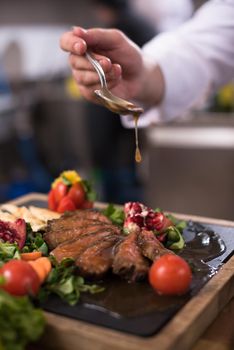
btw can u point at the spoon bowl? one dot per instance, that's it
(106, 98)
(117, 104)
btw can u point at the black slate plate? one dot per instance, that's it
(136, 308)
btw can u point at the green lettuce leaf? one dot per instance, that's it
(115, 214)
(20, 322)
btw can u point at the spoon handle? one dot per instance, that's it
(98, 69)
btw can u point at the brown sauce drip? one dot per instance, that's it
(106, 99)
(138, 157)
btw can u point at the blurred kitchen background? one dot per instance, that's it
(46, 127)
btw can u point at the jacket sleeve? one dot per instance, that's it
(196, 59)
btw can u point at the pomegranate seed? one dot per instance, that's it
(138, 219)
(156, 222)
(137, 207)
(127, 207)
(13, 232)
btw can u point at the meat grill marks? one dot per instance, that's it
(97, 259)
(92, 214)
(86, 236)
(129, 261)
(73, 248)
(68, 219)
(56, 237)
(150, 246)
(97, 245)
(72, 225)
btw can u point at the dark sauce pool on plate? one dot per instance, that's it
(135, 307)
(123, 299)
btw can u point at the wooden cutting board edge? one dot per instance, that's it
(179, 334)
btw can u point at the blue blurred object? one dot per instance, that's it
(19, 188)
(39, 180)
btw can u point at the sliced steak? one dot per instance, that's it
(128, 260)
(55, 237)
(73, 248)
(150, 246)
(68, 219)
(97, 259)
(92, 214)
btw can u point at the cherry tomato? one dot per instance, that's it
(20, 278)
(60, 191)
(51, 200)
(170, 275)
(77, 194)
(66, 204)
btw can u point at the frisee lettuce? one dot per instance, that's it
(20, 322)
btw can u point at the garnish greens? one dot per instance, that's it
(35, 241)
(115, 214)
(8, 251)
(90, 192)
(174, 238)
(63, 282)
(20, 322)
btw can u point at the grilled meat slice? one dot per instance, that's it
(97, 259)
(150, 246)
(55, 237)
(60, 224)
(69, 219)
(92, 214)
(73, 248)
(128, 260)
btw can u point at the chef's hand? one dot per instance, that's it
(128, 75)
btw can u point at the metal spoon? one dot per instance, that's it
(112, 102)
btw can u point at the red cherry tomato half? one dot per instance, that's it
(170, 275)
(66, 204)
(60, 191)
(20, 278)
(77, 194)
(52, 204)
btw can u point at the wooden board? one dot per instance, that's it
(179, 334)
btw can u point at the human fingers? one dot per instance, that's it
(72, 43)
(99, 38)
(82, 63)
(89, 78)
(86, 78)
(89, 92)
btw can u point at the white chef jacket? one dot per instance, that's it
(196, 59)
